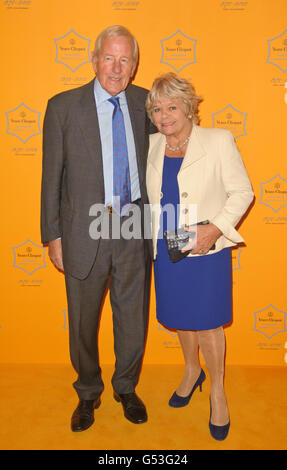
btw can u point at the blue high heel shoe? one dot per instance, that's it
(177, 402)
(218, 432)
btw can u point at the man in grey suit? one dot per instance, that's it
(78, 173)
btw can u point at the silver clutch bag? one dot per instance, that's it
(177, 239)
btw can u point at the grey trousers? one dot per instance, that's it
(124, 267)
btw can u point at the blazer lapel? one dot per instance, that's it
(89, 124)
(156, 154)
(194, 151)
(191, 175)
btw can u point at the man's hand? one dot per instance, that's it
(206, 237)
(55, 253)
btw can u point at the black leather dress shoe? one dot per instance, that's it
(83, 416)
(134, 409)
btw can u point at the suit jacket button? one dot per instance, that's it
(185, 211)
(184, 195)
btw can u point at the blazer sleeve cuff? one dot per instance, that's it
(227, 229)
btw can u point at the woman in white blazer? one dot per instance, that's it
(195, 175)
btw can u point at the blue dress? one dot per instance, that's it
(194, 293)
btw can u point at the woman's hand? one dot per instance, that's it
(206, 236)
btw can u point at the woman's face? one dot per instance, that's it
(170, 117)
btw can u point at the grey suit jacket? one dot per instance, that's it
(72, 173)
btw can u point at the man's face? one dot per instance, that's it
(114, 65)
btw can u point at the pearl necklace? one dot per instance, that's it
(174, 149)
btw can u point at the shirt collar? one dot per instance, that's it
(101, 95)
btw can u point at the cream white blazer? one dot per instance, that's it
(212, 177)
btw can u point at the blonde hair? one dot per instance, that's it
(173, 86)
(116, 31)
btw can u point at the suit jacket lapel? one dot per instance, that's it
(89, 124)
(137, 116)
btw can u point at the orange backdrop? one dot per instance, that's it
(235, 53)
